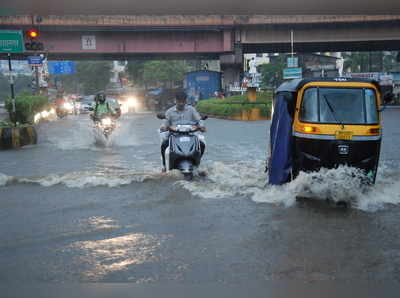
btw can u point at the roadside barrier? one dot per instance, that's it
(16, 137)
(245, 115)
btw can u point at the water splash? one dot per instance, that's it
(4, 179)
(341, 184)
(244, 179)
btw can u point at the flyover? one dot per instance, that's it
(144, 36)
(224, 37)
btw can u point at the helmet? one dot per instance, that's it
(100, 97)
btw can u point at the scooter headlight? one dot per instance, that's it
(68, 106)
(106, 121)
(132, 102)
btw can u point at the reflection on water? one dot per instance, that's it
(107, 256)
(100, 223)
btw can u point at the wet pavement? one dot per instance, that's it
(73, 211)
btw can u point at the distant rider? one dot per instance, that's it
(102, 108)
(180, 112)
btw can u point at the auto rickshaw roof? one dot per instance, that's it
(295, 84)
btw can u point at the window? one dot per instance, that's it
(339, 105)
(309, 106)
(370, 103)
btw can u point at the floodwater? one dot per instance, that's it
(71, 210)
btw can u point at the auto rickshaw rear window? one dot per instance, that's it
(339, 105)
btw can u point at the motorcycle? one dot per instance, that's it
(184, 149)
(63, 110)
(106, 126)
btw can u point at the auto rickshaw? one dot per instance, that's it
(324, 123)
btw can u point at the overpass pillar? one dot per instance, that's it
(232, 68)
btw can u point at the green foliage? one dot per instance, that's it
(21, 84)
(272, 73)
(94, 76)
(26, 107)
(369, 61)
(135, 70)
(7, 123)
(232, 106)
(157, 72)
(90, 77)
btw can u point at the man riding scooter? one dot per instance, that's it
(181, 112)
(102, 108)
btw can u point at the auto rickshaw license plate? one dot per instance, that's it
(344, 135)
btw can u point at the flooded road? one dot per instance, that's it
(71, 211)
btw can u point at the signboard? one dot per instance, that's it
(19, 67)
(11, 41)
(363, 75)
(35, 60)
(322, 67)
(292, 73)
(292, 62)
(61, 67)
(386, 80)
(383, 79)
(88, 42)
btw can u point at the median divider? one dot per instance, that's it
(238, 107)
(245, 115)
(16, 137)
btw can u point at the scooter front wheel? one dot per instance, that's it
(188, 176)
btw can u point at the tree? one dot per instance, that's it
(93, 76)
(90, 77)
(21, 84)
(158, 72)
(135, 71)
(272, 73)
(369, 61)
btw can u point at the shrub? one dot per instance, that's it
(26, 107)
(234, 105)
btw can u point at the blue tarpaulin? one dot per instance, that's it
(281, 141)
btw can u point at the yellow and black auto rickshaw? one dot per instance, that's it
(324, 123)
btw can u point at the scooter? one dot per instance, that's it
(63, 110)
(184, 150)
(106, 125)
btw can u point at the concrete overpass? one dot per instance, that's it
(148, 36)
(224, 37)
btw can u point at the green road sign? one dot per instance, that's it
(11, 41)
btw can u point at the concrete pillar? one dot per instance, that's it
(232, 68)
(232, 75)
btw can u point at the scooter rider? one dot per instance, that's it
(180, 112)
(102, 108)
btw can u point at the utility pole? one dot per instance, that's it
(12, 87)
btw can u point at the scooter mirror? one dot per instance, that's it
(161, 116)
(204, 117)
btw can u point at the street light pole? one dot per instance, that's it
(12, 88)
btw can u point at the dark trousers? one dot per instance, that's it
(165, 144)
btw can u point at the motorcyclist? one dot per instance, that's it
(180, 112)
(102, 108)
